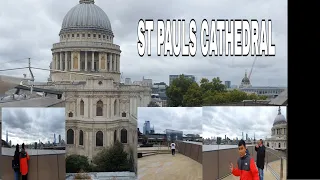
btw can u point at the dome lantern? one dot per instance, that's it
(86, 1)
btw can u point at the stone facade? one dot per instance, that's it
(86, 67)
(279, 132)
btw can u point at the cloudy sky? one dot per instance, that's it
(186, 119)
(29, 125)
(232, 121)
(30, 27)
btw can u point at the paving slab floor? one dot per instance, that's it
(166, 166)
(267, 174)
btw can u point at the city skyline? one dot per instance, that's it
(29, 125)
(232, 121)
(38, 31)
(186, 119)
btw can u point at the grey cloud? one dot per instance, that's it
(232, 121)
(33, 124)
(30, 27)
(188, 120)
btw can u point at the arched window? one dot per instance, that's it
(99, 108)
(99, 138)
(70, 114)
(81, 137)
(115, 136)
(267, 144)
(279, 145)
(81, 107)
(124, 114)
(115, 106)
(124, 136)
(70, 136)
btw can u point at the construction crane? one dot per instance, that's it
(254, 61)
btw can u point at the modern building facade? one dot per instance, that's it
(173, 135)
(99, 109)
(147, 129)
(227, 84)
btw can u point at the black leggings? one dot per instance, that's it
(173, 151)
(25, 177)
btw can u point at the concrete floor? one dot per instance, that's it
(267, 174)
(166, 166)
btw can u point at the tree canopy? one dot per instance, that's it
(186, 93)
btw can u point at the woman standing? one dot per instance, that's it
(16, 163)
(24, 158)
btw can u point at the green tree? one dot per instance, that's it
(76, 163)
(153, 104)
(112, 159)
(177, 90)
(193, 97)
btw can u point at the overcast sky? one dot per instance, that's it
(30, 27)
(29, 125)
(232, 121)
(186, 119)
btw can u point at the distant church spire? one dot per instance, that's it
(86, 1)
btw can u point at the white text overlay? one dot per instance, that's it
(239, 37)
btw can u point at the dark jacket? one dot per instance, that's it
(246, 169)
(16, 161)
(247, 152)
(261, 152)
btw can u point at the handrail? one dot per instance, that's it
(273, 172)
(273, 153)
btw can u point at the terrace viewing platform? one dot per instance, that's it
(184, 165)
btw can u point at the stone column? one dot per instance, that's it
(66, 60)
(114, 57)
(118, 63)
(79, 60)
(99, 61)
(105, 107)
(135, 106)
(55, 64)
(112, 107)
(53, 61)
(110, 65)
(92, 61)
(108, 106)
(72, 68)
(130, 106)
(60, 61)
(86, 61)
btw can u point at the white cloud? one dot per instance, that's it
(186, 119)
(29, 125)
(233, 120)
(30, 27)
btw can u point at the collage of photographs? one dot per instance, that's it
(78, 102)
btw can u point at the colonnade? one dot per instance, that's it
(86, 61)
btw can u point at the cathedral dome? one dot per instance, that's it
(245, 79)
(86, 16)
(280, 119)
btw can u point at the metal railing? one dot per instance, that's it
(277, 175)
